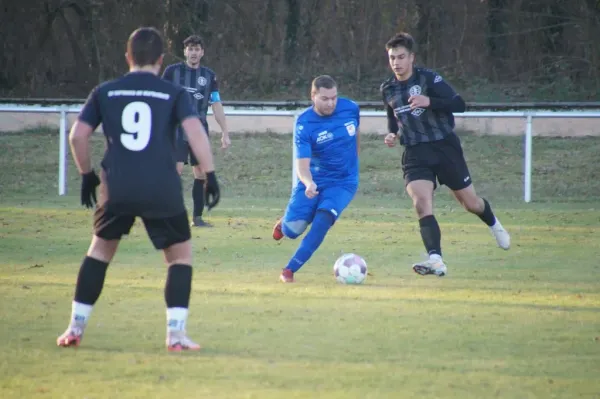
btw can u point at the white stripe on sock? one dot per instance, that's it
(80, 313)
(176, 319)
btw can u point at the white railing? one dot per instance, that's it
(527, 115)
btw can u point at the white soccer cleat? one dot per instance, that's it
(177, 341)
(501, 235)
(434, 265)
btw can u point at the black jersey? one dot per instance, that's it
(200, 83)
(420, 125)
(138, 113)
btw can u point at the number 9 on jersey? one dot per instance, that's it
(136, 120)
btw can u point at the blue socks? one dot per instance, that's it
(320, 226)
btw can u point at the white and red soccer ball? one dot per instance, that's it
(350, 269)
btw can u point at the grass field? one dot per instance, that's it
(523, 323)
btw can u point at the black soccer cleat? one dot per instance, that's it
(198, 222)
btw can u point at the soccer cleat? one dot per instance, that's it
(287, 276)
(433, 265)
(71, 337)
(198, 222)
(277, 232)
(177, 341)
(501, 235)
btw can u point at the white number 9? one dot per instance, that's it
(137, 123)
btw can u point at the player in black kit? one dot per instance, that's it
(420, 107)
(202, 85)
(138, 112)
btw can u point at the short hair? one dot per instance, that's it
(323, 81)
(402, 39)
(193, 40)
(145, 46)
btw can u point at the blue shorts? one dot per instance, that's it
(332, 199)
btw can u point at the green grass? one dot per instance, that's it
(523, 323)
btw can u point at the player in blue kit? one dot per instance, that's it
(326, 141)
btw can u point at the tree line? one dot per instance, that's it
(494, 50)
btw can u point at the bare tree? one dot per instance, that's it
(272, 48)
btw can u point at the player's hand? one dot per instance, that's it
(89, 182)
(390, 139)
(419, 101)
(225, 141)
(311, 190)
(212, 193)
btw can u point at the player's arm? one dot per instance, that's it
(443, 97)
(194, 131)
(79, 138)
(303, 168)
(303, 154)
(357, 130)
(393, 124)
(392, 121)
(218, 112)
(81, 132)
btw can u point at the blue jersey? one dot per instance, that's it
(331, 143)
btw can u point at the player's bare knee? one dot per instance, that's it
(469, 200)
(294, 229)
(180, 253)
(102, 250)
(423, 206)
(421, 193)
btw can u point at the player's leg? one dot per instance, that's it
(198, 193)
(417, 164)
(331, 203)
(186, 156)
(278, 230)
(299, 213)
(198, 189)
(421, 193)
(172, 236)
(297, 216)
(109, 229)
(455, 174)
(479, 206)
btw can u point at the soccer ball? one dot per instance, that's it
(350, 269)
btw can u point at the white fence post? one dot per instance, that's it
(528, 154)
(294, 171)
(62, 153)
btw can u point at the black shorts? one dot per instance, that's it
(442, 160)
(163, 232)
(184, 151)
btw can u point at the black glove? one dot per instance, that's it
(212, 192)
(89, 182)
